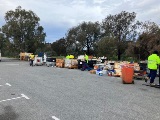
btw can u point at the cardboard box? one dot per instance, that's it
(92, 71)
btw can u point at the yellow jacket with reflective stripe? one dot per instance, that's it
(153, 61)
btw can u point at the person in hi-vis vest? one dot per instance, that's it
(153, 63)
(31, 59)
(86, 58)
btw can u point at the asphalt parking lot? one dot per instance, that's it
(51, 93)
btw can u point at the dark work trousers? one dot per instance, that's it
(31, 62)
(85, 67)
(152, 75)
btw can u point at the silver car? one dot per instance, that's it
(50, 61)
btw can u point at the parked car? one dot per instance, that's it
(50, 61)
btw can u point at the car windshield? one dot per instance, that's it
(50, 59)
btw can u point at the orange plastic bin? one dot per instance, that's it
(127, 74)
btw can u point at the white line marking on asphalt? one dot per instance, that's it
(55, 118)
(10, 99)
(8, 84)
(25, 96)
(12, 64)
(22, 96)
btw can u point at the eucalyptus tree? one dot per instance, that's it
(106, 47)
(72, 45)
(147, 42)
(23, 30)
(90, 35)
(2, 38)
(152, 34)
(84, 36)
(59, 47)
(6, 47)
(122, 27)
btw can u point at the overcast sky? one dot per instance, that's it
(57, 16)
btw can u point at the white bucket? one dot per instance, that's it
(100, 73)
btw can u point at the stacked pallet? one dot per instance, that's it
(117, 69)
(73, 64)
(60, 63)
(92, 71)
(67, 63)
(136, 67)
(24, 56)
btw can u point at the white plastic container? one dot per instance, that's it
(38, 61)
(97, 72)
(100, 73)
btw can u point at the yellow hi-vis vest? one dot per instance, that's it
(32, 57)
(153, 61)
(86, 58)
(67, 57)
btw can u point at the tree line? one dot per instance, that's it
(118, 37)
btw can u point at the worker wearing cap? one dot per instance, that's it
(153, 62)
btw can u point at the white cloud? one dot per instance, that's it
(98, 1)
(60, 15)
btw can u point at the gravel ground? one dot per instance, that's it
(70, 94)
